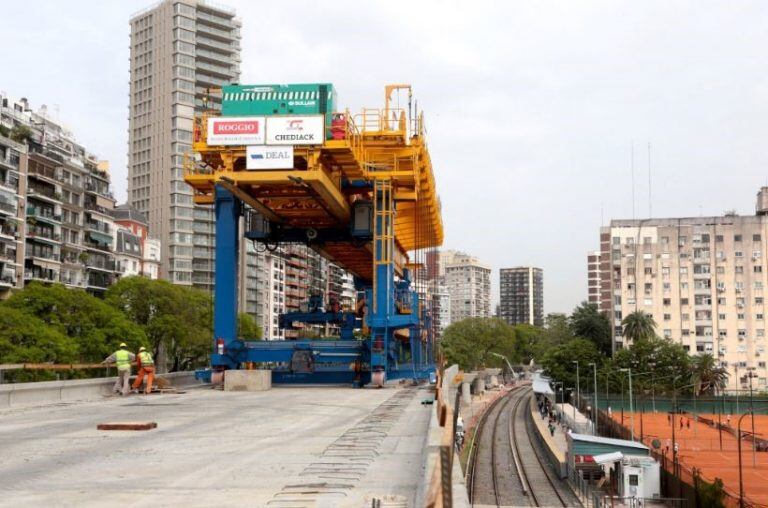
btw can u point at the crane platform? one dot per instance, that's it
(358, 189)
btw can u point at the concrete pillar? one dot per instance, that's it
(466, 394)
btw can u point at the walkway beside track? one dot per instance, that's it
(290, 446)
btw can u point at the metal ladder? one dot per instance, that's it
(383, 229)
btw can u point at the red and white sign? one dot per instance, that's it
(234, 130)
(295, 130)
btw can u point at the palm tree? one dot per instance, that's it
(638, 325)
(707, 377)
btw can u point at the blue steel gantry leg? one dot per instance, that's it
(225, 291)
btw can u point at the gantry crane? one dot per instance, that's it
(359, 189)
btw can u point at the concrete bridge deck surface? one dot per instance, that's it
(291, 446)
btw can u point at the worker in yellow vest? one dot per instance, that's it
(146, 366)
(122, 358)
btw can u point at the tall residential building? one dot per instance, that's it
(179, 50)
(593, 278)
(521, 291)
(468, 281)
(703, 279)
(66, 230)
(13, 182)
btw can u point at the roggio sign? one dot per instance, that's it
(236, 130)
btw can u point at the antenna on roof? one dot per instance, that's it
(632, 169)
(650, 206)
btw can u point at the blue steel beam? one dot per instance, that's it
(225, 292)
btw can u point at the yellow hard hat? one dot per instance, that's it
(123, 344)
(142, 348)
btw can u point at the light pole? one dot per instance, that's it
(594, 371)
(631, 404)
(750, 375)
(738, 436)
(511, 370)
(578, 390)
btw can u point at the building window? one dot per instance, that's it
(667, 333)
(739, 269)
(667, 317)
(718, 238)
(755, 238)
(667, 301)
(757, 269)
(736, 238)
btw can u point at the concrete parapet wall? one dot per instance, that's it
(50, 392)
(247, 380)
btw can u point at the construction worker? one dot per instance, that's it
(146, 365)
(122, 358)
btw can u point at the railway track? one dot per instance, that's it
(506, 467)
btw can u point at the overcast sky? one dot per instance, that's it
(532, 107)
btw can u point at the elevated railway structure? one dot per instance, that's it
(507, 467)
(359, 189)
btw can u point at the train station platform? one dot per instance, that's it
(290, 446)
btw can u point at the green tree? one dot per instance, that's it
(711, 495)
(638, 326)
(24, 338)
(5, 131)
(706, 376)
(558, 361)
(247, 329)
(654, 355)
(526, 340)
(588, 322)
(176, 319)
(94, 329)
(20, 133)
(471, 341)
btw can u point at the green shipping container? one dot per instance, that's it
(267, 100)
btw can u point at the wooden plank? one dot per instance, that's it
(127, 426)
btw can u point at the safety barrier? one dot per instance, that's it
(50, 392)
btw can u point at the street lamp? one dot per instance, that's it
(594, 370)
(511, 370)
(578, 390)
(738, 435)
(751, 374)
(631, 404)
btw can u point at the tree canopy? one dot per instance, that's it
(247, 329)
(638, 326)
(176, 319)
(471, 342)
(589, 323)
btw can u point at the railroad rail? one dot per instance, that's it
(506, 467)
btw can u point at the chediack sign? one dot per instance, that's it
(269, 157)
(295, 130)
(246, 130)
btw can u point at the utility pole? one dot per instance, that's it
(751, 374)
(594, 370)
(578, 391)
(631, 404)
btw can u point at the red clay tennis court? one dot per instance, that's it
(699, 447)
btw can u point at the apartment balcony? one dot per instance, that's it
(213, 56)
(214, 20)
(100, 227)
(8, 208)
(104, 265)
(702, 276)
(43, 214)
(7, 281)
(210, 81)
(99, 282)
(43, 235)
(226, 36)
(7, 254)
(214, 44)
(702, 291)
(41, 275)
(53, 198)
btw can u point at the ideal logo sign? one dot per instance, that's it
(269, 157)
(229, 131)
(295, 130)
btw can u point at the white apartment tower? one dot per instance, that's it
(468, 282)
(180, 49)
(703, 279)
